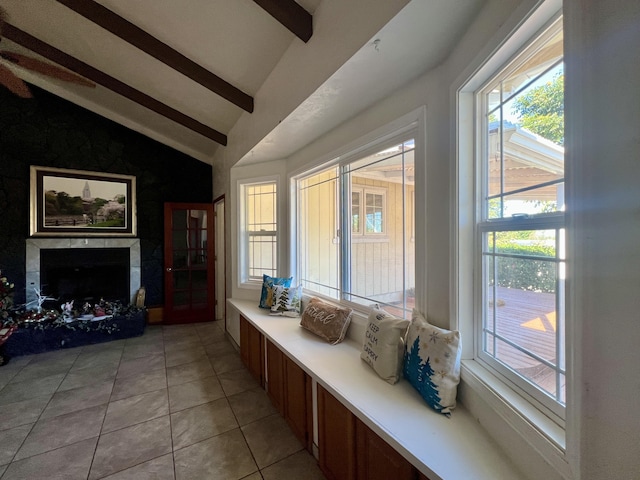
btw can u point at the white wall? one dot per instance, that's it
(603, 132)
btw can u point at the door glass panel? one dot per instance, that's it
(179, 219)
(199, 279)
(180, 298)
(179, 258)
(180, 279)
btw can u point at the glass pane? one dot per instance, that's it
(180, 279)
(355, 212)
(524, 305)
(261, 213)
(319, 240)
(494, 155)
(179, 219)
(538, 200)
(199, 279)
(536, 65)
(383, 267)
(180, 299)
(180, 258)
(199, 298)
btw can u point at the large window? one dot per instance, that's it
(355, 223)
(260, 228)
(520, 245)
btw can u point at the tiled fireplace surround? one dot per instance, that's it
(34, 245)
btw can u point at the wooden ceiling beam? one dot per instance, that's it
(57, 56)
(291, 15)
(134, 35)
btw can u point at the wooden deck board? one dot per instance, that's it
(527, 319)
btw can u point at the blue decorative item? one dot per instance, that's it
(432, 363)
(419, 375)
(266, 298)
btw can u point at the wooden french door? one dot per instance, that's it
(189, 280)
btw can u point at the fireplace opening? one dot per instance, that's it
(85, 275)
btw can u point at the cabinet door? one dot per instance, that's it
(377, 460)
(336, 438)
(252, 349)
(298, 403)
(275, 377)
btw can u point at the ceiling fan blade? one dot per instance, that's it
(13, 83)
(45, 68)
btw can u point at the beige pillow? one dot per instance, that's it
(432, 363)
(383, 347)
(325, 320)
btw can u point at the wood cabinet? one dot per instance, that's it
(377, 460)
(349, 450)
(336, 438)
(289, 388)
(298, 403)
(252, 349)
(275, 376)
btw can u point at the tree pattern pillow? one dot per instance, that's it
(432, 363)
(286, 300)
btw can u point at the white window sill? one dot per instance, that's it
(538, 430)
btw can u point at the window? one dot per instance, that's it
(260, 225)
(367, 218)
(520, 246)
(355, 228)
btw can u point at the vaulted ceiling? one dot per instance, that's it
(186, 71)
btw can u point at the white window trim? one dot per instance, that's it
(243, 255)
(413, 122)
(537, 430)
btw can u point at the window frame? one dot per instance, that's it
(362, 234)
(521, 415)
(484, 224)
(245, 279)
(410, 126)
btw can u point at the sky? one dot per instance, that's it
(74, 186)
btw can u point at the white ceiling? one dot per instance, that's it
(241, 43)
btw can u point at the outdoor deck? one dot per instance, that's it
(527, 319)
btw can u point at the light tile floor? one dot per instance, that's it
(175, 403)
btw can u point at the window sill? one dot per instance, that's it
(544, 435)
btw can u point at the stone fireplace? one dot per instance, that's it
(92, 247)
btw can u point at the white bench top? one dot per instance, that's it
(455, 448)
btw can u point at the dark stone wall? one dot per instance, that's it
(51, 132)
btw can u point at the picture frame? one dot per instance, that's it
(78, 203)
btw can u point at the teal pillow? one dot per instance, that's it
(266, 298)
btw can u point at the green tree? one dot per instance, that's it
(541, 110)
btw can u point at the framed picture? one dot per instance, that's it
(79, 203)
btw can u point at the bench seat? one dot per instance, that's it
(453, 448)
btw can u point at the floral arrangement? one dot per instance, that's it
(6, 298)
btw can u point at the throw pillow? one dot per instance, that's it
(383, 347)
(325, 320)
(432, 363)
(286, 300)
(266, 297)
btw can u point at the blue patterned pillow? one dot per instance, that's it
(432, 363)
(266, 298)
